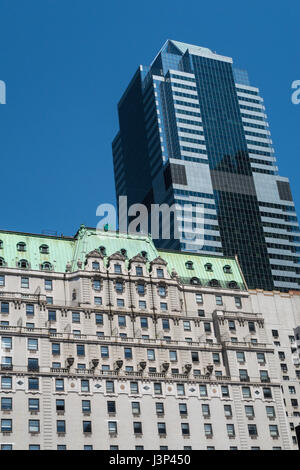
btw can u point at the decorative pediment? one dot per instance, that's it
(117, 256)
(159, 261)
(94, 254)
(138, 259)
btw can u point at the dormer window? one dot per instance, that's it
(144, 254)
(233, 285)
(227, 269)
(123, 252)
(195, 280)
(23, 264)
(139, 271)
(102, 250)
(21, 246)
(189, 265)
(46, 266)
(2, 262)
(214, 283)
(208, 267)
(118, 269)
(1, 244)
(44, 249)
(95, 266)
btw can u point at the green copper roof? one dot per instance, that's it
(179, 262)
(70, 250)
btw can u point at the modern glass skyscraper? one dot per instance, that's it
(193, 130)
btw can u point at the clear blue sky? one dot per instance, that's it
(66, 63)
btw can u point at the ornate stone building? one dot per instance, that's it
(109, 343)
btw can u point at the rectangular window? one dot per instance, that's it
(157, 388)
(183, 409)
(139, 271)
(112, 427)
(86, 406)
(99, 319)
(110, 386)
(252, 429)
(111, 407)
(144, 322)
(97, 284)
(161, 427)
(219, 300)
(34, 425)
(238, 302)
(98, 300)
(185, 429)
(32, 344)
(160, 273)
(86, 426)
(249, 411)
(120, 302)
(134, 388)
(59, 385)
(135, 406)
(85, 385)
(137, 427)
(61, 426)
(159, 408)
(199, 298)
(151, 354)
(80, 349)
(122, 320)
(25, 282)
(104, 351)
(142, 305)
(48, 284)
(6, 404)
(2, 281)
(230, 430)
(203, 390)
(128, 353)
(56, 349)
(208, 429)
(33, 383)
(4, 307)
(6, 425)
(75, 317)
(29, 309)
(52, 315)
(60, 405)
(205, 410)
(117, 269)
(173, 356)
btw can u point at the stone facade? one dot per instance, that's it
(123, 352)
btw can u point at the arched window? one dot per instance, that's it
(21, 246)
(44, 249)
(233, 285)
(208, 267)
(46, 266)
(23, 264)
(227, 269)
(195, 280)
(102, 250)
(189, 265)
(214, 283)
(2, 262)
